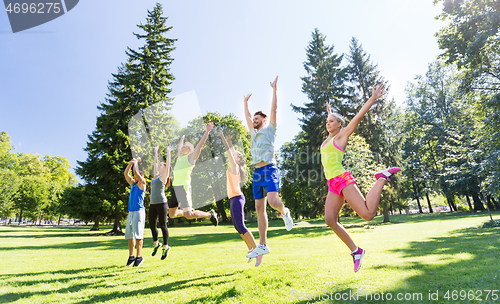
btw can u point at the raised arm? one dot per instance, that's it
(129, 179)
(248, 114)
(138, 177)
(155, 164)
(196, 153)
(274, 103)
(232, 162)
(169, 161)
(229, 137)
(351, 127)
(164, 177)
(328, 108)
(181, 143)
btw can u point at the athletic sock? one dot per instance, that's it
(356, 250)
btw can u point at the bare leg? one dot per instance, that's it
(131, 245)
(275, 202)
(139, 248)
(194, 214)
(333, 205)
(175, 212)
(260, 207)
(249, 240)
(367, 209)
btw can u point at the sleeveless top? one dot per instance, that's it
(157, 191)
(136, 198)
(331, 159)
(182, 172)
(233, 184)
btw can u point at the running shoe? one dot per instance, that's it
(156, 249)
(387, 173)
(258, 260)
(261, 249)
(213, 218)
(131, 261)
(165, 253)
(287, 218)
(138, 261)
(357, 256)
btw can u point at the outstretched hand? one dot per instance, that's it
(328, 107)
(274, 83)
(210, 126)
(221, 134)
(378, 92)
(247, 97)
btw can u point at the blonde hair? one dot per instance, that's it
(339, 118)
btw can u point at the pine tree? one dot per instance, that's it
(140, 83)
(325, 82)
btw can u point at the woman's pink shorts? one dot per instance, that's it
(338, 183)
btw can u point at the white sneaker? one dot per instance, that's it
(261, 249)
(287, 218)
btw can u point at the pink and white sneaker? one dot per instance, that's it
(387, 173)
(357, 256)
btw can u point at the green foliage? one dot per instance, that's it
(140, 83)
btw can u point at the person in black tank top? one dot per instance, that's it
(158, 207)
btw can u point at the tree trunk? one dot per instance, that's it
(220, 210)
(59, 221)
(117, 226)
(471, 210)
(386, 213)
(419, 206)
(482, 196)
(220, 203)
(478, 206)
(429, 202)
(95, 227)
(20, 217)
(497, 205)
(449, 199)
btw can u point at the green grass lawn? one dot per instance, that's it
(413, 256)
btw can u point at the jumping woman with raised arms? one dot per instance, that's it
(341, 184)
(181, 196)
(235, 175)
(158, 208)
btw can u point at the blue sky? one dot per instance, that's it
(53, 76)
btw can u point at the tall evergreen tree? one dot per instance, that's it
(325, 82)
(143, 81)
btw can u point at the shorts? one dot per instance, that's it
(181, 197)
(338, 183)
(267, 178)
(134, 228)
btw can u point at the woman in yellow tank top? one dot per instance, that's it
(180, 203)
(235, 175)
(341, 184)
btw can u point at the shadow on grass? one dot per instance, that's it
(465, 260)
(60, 277)
(203, 281)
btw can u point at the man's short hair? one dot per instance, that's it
(260, 113)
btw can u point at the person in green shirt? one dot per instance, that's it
(180, 203)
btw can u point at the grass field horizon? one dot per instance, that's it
(413, 255)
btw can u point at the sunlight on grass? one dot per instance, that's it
(208, 264)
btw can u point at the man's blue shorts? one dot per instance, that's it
(266, 177)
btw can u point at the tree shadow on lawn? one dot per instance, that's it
(214, 280)
(60, 277)
(466, 259)
(118, 242)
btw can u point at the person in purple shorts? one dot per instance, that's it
(235, 176)
(341, 184)
(134, 230)
(266, 175)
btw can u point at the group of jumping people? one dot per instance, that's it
(266, 183)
